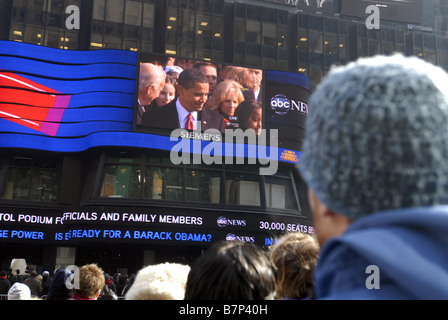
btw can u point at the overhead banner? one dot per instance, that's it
(144, 225)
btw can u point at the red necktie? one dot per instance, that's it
(189, 124)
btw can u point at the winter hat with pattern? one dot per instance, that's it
(377, 136)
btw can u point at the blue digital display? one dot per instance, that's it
(98, 224)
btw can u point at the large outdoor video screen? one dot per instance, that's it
(407, 11)
(220, 99)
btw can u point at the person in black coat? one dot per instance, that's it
(193, 93)
(4, 283)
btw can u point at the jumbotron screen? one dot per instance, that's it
(234, 98)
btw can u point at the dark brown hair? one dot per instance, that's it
(231, 271)
(190, 76)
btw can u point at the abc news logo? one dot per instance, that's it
(281, 105)
(224, 222)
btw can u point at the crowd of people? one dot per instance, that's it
(180, 94)
(96, 284)
(375, 160)
(226, 271)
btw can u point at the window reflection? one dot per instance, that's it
(242, 189)
(32, 180)
(280, 193)
(203, 186)
(151, 176)
(163, 184)
(121, 181)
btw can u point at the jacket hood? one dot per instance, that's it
(408, 246)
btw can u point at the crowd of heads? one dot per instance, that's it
(233, 92)
(228, 270)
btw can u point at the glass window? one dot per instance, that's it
(203, 186)
(151, 176)
(362, 41)
(18, 15)
(123, 24)
(42, 22)
(316, 37)
(18, 184)
(133, 13)
(195, 29)
(280, 193)
(57, 6)
(148, 15)
(331, 44)
(388, 37)
(399, 36)
(32, 180)
(374, 42)
(99, 9)
(70, 40)
(418, 44)
(163, 184)
(19, 3)
(242, 189)
(44, 185)
(114, 11)
(37, 4)
(122, 177)
(55, 38)
(442, 53)
(34, 35)
(121, 181)
(429, 47)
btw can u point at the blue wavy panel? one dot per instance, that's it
(66, 130)
(66, 56)
(89, 99)
(63, 93)
(68, 86)
(65, 72)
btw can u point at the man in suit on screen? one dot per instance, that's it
(188, 110)
(151, 82)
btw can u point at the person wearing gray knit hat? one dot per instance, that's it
(375, 159)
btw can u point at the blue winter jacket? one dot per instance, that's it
(409, 247)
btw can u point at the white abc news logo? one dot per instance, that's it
(282, 105)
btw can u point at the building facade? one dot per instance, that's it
(304, 36)
(106, 194)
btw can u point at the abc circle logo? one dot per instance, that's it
(222, 222)
(280, 104)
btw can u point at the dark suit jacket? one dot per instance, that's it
(250, 95)
(166, 117)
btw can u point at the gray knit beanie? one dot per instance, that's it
(377, 136)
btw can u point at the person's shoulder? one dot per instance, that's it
(165, 108)
(153, 116)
